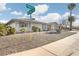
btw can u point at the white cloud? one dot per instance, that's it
(56, 17)
(40, 9)
(2, 7)
(3, 21)
(76, 23)
(66, 14)
(17, 13)
(50, 17)
(9, 9)
(24, 16)
(77, 16)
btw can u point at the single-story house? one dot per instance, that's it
(28, 24)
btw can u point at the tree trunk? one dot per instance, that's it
(70, 20)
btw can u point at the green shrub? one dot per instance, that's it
(10, 30)
(6, 30)
(2, 30)
(1, 34)
(35, 29)
(23, 30)
(39, 30)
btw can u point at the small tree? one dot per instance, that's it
(71, 19)
(71, 6)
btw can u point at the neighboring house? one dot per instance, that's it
(53, 26)
(18, 24)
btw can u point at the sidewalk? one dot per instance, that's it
(64, 47)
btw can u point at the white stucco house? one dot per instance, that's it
(18, 24)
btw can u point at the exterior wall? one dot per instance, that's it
(49, 27)
(17, 27)
(14, 25)
(43, 27)
(37, 25)
(54, 26)
(29, 27)
(25, 27)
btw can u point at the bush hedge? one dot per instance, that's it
(35, 29)
(23, 30)
(6, 30)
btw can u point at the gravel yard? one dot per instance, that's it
(20, 42)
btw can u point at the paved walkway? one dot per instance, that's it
(68, 46)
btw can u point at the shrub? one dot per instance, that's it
(2, 30)
(6, 30)
(10, 30)
(39, 30)
(35, 29)
(23, 30)
(1, 34)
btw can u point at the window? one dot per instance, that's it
(22, 24)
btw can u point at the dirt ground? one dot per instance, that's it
(25, 41)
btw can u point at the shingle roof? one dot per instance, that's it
(28, 20)
(25, 20)
(53, 23)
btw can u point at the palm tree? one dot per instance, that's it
(71, 18)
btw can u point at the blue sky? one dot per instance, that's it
(43, 10)
(53, 7)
